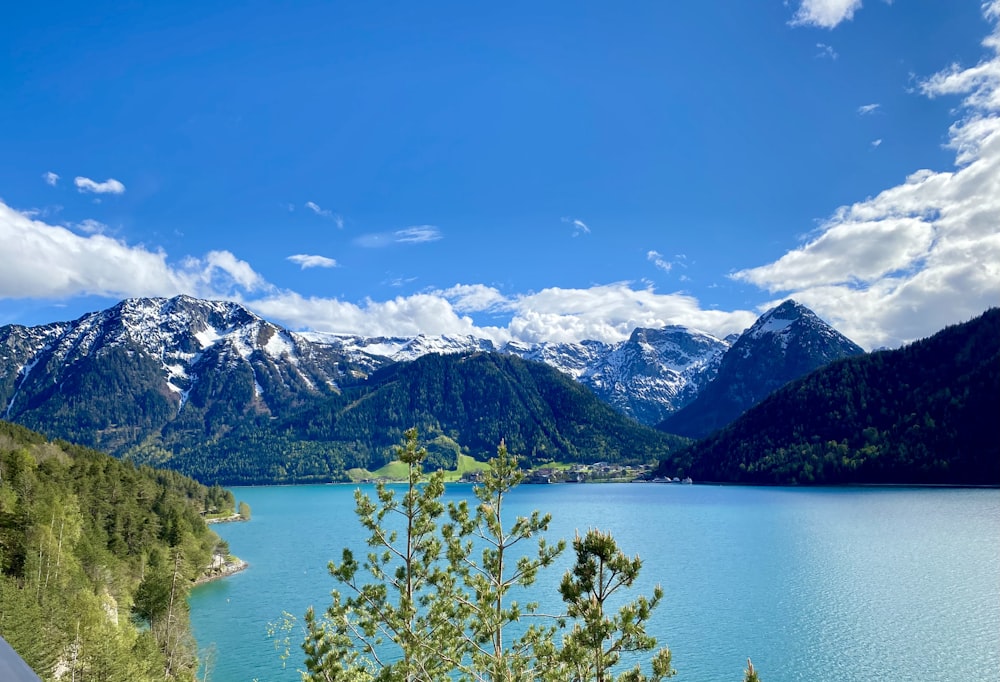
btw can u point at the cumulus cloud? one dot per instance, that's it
(50, 261)
(920, 255)
(866, 109)
(606, 313)
(402, 316)
(825, 13)
(610, 312)
(88, 186)
(579, 227)
(50, 178)
(474, 298)
(307, 261)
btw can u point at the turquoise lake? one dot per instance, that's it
(830, 584)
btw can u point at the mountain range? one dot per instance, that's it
(214, 390)
(648, 376)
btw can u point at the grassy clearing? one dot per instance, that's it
(466, 465)
(357, 475)
(393, 471)
(396, 470)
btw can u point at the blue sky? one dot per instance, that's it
(540, 171)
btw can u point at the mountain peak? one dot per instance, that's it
(785, 343)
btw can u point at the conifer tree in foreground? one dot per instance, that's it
(595, 645)
(398, 627)
(434, 612)
(484, 608)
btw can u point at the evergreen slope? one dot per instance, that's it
(459, 403)
(96, 556)
(926, 413)
(785, 343)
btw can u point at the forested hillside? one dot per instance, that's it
(467, 402)
(926, 413)
(96, 556)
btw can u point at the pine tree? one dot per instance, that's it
(435, 610)
(397, 627)
(594, 646)
(486, 612)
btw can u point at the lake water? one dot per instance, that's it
(834, 584)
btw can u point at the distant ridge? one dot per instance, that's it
(926, 413)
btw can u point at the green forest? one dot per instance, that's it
(468, 403)
(922, 414)
(96, 558)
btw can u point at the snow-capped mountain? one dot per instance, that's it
(656, 371)
(648, 376)
(159, 354)
(184, 358)
(210, 388)
(785, 343)
(398, 348)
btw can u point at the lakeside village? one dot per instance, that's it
(599, 472)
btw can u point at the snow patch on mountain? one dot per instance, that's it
(648, 376)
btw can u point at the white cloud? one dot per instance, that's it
(610, 313)
(402, 316)
(657, 259)
(50, 178)
(473, 298)
(825, 13)
(607, 313)
(826, 51)
(49, 261)
(877, 143)
(109, 186)
(306, 261)
(325, 213)
(866, 109)
(399, 281)
(920, 255)
(221, 269)
(317, 210)
(579, 227)
(417, 234)
(91, 226)
(78, 265)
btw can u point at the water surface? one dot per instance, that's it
(814, 584)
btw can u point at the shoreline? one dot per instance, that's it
(235, 518)
(222, 568)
